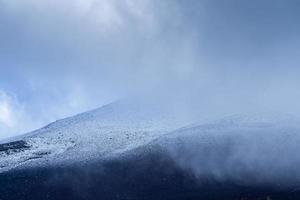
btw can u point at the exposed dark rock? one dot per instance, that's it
(14, 146)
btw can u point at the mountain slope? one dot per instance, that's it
(239, 157)
(96, 134)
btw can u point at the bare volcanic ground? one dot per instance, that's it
(151, 175)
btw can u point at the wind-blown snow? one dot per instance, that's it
(254, 149)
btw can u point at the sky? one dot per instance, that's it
(210, 57)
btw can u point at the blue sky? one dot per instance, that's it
(59, 58)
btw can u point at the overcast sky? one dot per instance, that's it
(62, 57)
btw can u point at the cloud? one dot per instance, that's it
(59, 58)
(13, 118)
(75, 19)
(5, 111)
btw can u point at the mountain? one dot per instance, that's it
(135, 151)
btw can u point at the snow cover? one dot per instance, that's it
(99, 133)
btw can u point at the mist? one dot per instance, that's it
(244, 150)
(204, 59)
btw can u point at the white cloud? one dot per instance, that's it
(6, 117)
(13, 118)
